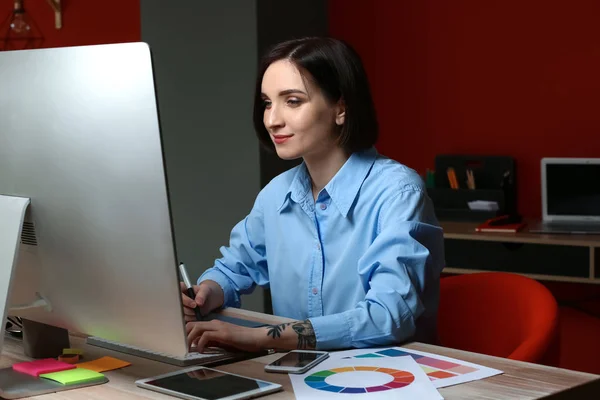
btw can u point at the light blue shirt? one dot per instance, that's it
(362, 263)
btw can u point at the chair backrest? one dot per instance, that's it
(498, 314)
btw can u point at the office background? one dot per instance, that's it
(499, 78)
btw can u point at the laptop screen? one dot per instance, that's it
(573, 189)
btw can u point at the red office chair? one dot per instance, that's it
(498, 314)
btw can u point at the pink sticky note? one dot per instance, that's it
(45, 366)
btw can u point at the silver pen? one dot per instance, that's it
(190, 289)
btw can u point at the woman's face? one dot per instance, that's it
(298, 117)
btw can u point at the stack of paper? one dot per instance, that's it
(483, 205)
(442, 371)
(384, 374)
(397, 378)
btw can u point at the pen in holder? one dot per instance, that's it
(470, 179)
(452, 178)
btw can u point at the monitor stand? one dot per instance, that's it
(39, 340)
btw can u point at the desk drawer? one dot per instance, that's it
(527, 258)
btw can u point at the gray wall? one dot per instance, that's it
(279, 20)
(205, 55)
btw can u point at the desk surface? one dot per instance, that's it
(466, 230)
(520, 380)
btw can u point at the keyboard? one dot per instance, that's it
(192, 358)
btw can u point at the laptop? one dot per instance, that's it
(570, 196)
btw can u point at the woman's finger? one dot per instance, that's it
(188, 311)
(202, 294)
(189, 318)
(209, 337)
(195, 328)
(187, 302)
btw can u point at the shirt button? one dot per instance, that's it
(318, 246)
(323, 206)
(315, 290)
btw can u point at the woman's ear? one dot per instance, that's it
(340, 115)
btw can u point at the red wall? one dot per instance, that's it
(519, 78)
(85, 22)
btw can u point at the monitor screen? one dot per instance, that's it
(573, 189)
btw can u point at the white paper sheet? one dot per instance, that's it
(443, 371)
(356, 379)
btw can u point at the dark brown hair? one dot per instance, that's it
(337, 70)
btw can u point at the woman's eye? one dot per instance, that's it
(294, 102)
(267, 103)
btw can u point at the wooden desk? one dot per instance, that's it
(519, 381)
(555, 257)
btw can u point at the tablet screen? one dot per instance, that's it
(208, 384)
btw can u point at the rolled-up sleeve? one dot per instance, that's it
(404, 259)
(243, 264)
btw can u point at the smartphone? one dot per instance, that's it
(297, 361)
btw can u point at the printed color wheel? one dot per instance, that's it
(399, 380)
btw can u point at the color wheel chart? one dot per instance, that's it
(433, 367)
(382, 378)
(347, 379)
(442, 371)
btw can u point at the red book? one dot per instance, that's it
(500, 228)
(503, 223)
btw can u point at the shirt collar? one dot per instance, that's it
(343, 187)
(299, 188)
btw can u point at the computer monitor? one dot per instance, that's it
(80, 137)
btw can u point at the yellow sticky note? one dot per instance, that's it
(73, 376)
(103, 364)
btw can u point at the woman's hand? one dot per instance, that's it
(209, 297)
(217, 333)
(287, 336)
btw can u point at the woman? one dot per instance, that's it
(347, 242)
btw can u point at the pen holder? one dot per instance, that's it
(460, 179)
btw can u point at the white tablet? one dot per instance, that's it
(201, 383)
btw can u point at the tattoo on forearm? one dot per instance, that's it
(306, 335)
(275, 330)
(304, 330)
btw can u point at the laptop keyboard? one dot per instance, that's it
(573, 228)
